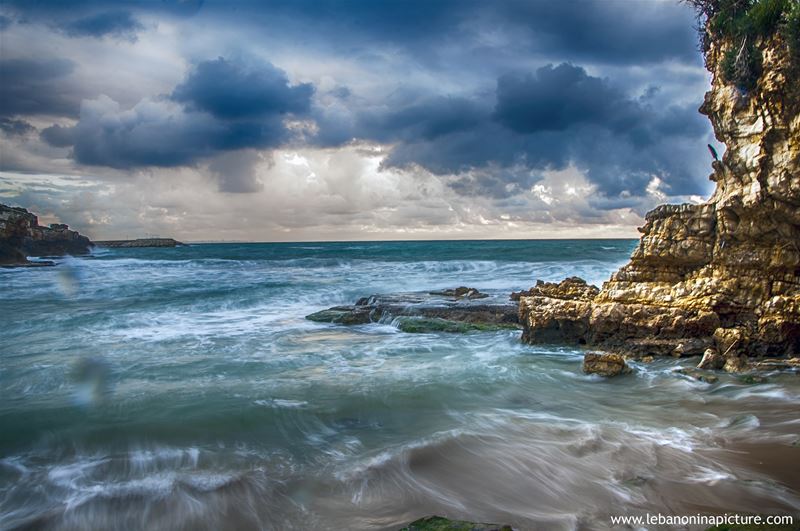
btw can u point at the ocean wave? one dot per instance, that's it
(224, 400)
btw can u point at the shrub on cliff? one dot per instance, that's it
(742, 23)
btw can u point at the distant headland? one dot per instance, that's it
(21, 236)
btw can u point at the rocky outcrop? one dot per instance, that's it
(424, 312)
(141, 242)
(22, 236)
(722, 275)
(605, 364)
(461, 292)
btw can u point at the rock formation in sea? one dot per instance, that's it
(22, 236)
(451, 310)
(720, 278)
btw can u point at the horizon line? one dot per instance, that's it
(196, 242)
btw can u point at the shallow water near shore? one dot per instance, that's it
(184, 389)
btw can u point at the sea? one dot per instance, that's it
(183, 388)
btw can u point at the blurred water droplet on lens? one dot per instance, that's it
(68, 279)
(91, 377)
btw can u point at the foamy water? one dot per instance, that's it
(183, 389)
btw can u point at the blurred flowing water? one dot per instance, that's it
(183, 389)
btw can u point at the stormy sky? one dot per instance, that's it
(351, 119)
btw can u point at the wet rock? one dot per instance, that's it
(736, 364)
(460, 293)
(348, 315)
(439, 523)
(421, 312)
(422, 325)
(751, 379)
(698, 374)
(28, 263)
(690, 347)
(712, 359)
(776, 364)
(572, 288)
(605, 364)
(722, 274)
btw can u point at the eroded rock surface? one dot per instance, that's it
(722, 275)
(22, 236)
(605, 364)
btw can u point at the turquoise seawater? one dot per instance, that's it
(183, 389)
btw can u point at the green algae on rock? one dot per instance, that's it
(439, 523)
(421, 325)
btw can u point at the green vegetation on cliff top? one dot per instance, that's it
(743, 23)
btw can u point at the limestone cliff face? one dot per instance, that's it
(21, 236)
(723, 274)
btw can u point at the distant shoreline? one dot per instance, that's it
(141, 242)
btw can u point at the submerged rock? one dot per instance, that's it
(22, 236)
(776, 365)
(605, 364)
(698, 374)
(439, 523)
(722, 275)
(460, 293)
(751, 379)
(419, 313)
(348, 315)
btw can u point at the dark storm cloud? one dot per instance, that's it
(13, 127)
(615, 31)
(612, 31)
(120, 24)
(35, 87)
(556, 98)
(5, 22)
(544, 120)
(229, 89)
(426, 118)
(60, 9)
(161, 134)
(58, 135)
(221, 106)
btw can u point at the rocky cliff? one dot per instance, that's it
(22, 236)
(723, 275)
